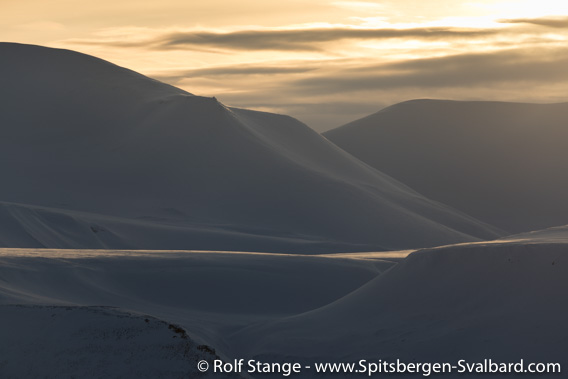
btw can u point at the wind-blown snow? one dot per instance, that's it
(500, 300)
(96, 156)
(502, 163)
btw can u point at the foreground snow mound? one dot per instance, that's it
(81, 134)
(95, 342)
(502, 301)
(502, 163)
(210, 294)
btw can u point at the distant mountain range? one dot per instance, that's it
(503, 163)
(93, 155)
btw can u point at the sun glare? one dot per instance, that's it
(525, 8)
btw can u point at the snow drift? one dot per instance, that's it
(503, 163)
(78, 134)
(208, 294)
(502, 300)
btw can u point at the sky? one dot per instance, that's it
(324, 62)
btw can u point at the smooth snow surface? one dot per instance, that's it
(96, 156)
(503, 163)
(209, 294)
(502, 300)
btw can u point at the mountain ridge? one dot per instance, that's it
(126, 146)
(500, 162)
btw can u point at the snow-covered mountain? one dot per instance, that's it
(503, 163)
(93, 155)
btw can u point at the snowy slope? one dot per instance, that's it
(500, 300)
(80, 134)
(209, 294)
(503, 163)
(95, 342)
(36, 226)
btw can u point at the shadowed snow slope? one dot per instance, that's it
(502, 300)
(210, 294)
(78, 134)
(95, 342)
(503, 163)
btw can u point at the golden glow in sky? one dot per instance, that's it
(325, 62)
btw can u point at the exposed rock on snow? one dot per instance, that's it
(95, 342)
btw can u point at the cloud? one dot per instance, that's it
(551, 22)
(463, 70)
(511, 63)
(304, 39)
(327, 93)
(231, 71)
(300, 39)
